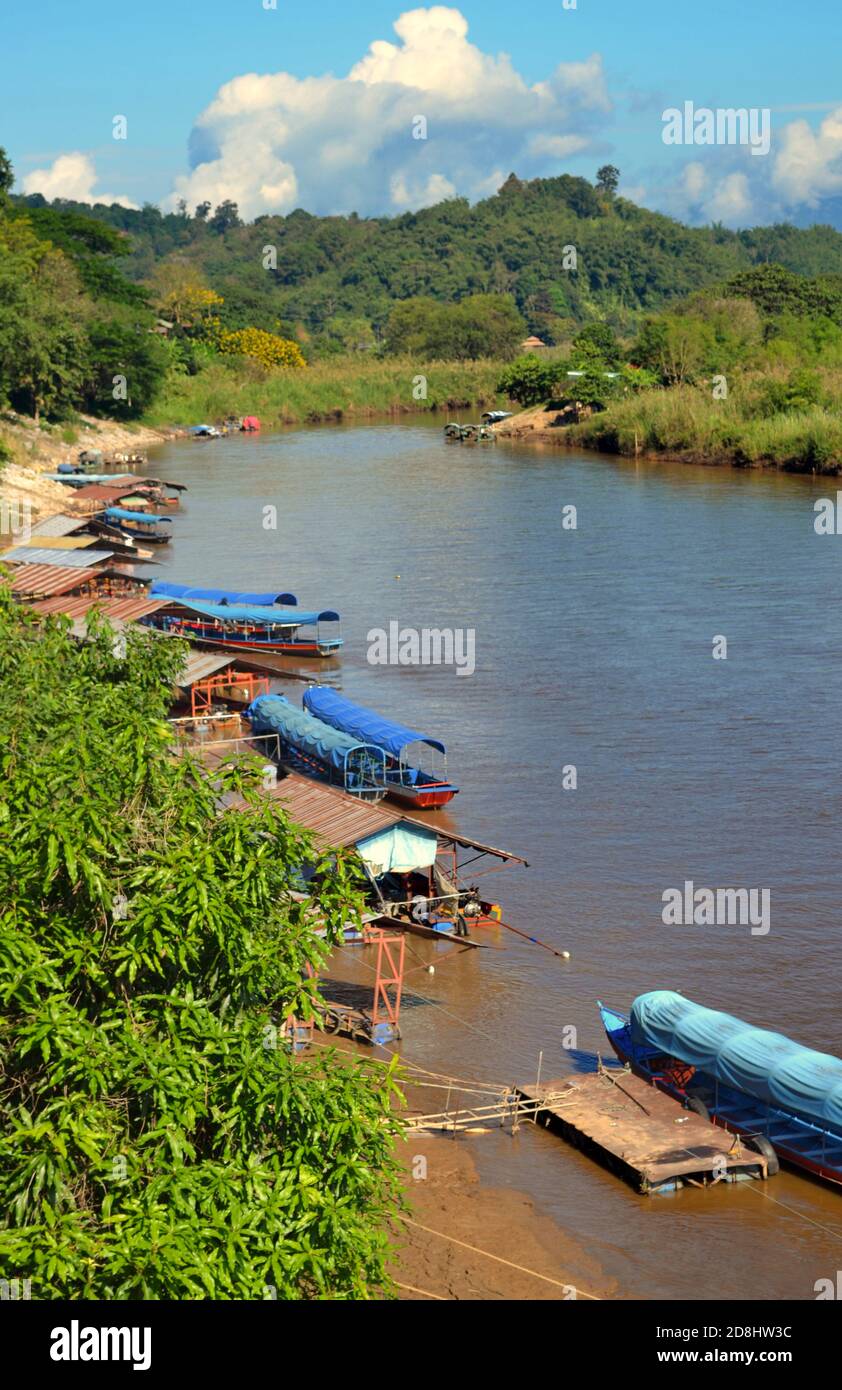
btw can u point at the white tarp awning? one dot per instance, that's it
(399, 850)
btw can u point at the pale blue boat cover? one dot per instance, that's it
(352, 719)
(120, 514)
(768, 1066)
(273, 714)
(278, 617)
(161, 589)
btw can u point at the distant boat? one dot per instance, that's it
(141, 526)
(407, 784)
(785, 1099)
(239, 627)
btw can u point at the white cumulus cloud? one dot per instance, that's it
(808, 164)
(71, 176)
(272, 142)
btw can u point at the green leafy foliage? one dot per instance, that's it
(157, 1137)
(529, 380)
(630, 261)
(118, 347)
(485, 325)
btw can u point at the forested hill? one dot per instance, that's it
(353, 269)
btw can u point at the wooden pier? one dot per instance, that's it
(640, 1133)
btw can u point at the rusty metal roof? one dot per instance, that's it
(39, 581)
(105, 492)
(339, 820)
(334, 817)
(126, 608)
(68, 559)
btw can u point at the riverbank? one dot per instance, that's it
(685, 425)
(335, 389)
(466, 1241)
(28, 451)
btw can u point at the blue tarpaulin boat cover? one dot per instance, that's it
(235, 612)
(223, 596)
(120, 514)
(273, 714)
(768, 1066)
(325, 704)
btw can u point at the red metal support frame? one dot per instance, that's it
(390, 966)
(245, 685)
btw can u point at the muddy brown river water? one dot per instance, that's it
(594, 649)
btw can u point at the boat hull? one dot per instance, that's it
(196, 632)
(619, 1042)
(422, 798)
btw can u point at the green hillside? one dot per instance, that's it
(339, 277)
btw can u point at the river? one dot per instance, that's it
(594, 649)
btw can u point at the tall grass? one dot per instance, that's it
(688, 422)
(326, 390)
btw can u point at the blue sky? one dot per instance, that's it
(161, 64)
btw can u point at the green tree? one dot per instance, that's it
(7, 173)
(529, 380)
(157, 1138)
(43, 313)
(226, 216)
(607, 178)
(486, 325)
(597, 342)
(120, 347)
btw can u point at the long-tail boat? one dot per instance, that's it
(241, 627)
(143, 526)
(785, 1099)
(307, 745)
(407, 784)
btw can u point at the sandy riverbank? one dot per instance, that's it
(36, 450)
(504, 1227)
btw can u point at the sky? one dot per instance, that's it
(381, 107)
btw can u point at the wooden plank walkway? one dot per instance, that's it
(640, 1133)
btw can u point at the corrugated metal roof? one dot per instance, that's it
(127, 609)
(38, 581)
(105, 492)
(335, 818)
(200, 664)
(60, 542)
(61, 525)
(75, 559)
(339, 820)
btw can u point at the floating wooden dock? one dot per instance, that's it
(640, 1133)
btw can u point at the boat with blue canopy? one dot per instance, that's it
(247, 599)
(785, 1099)
(243, 627)
(142, 525)
(307, 745)
(409, 784)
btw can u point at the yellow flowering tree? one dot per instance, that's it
(267, 348)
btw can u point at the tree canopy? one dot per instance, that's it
(159, 1139)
